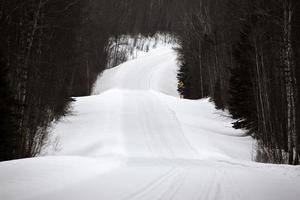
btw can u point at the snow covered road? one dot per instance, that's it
(136, 139)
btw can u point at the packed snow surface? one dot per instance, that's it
(136, 139)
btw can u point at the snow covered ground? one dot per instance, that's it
(136, 139)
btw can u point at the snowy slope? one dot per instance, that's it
(136, 139)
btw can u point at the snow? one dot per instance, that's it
(136, 139)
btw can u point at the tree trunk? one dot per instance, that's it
(289, 78)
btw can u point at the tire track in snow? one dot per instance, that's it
(152, 185)
(181, 134)
(149, 114)
(176, 185)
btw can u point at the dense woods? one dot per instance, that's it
(243, 54)
(47, 56)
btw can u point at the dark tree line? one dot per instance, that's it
(245, 56)
(51, 50)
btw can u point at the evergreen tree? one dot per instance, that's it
(8, 118)
(241, 102)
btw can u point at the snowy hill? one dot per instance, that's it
(136, 139)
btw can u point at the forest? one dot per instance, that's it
(244, 55)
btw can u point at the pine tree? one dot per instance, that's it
(8, 119)
(241, 102)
